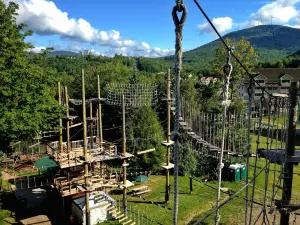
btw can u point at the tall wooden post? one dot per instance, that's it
(288, 167)
(86, 165)
(124, 157)
(100, 122)
(68, 122)
(167, 195)
(97, 124)
(60, 121)
(100, 113)
(91, 126)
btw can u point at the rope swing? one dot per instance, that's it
(180, 7)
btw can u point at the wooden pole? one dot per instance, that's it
(288, 167)
(68, 122)
(99, 127)
(86, 165)
(100, 113)
(191, 185)
(124, 155)
(60, 121)
(91, 126)
(97, 123)
(167, 194)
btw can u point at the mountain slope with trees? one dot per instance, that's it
(271, 43)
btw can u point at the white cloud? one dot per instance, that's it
(221, 23)
(126, 51)
(282, 11)
(44, 18)
(37, 49)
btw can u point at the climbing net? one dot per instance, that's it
(135, 95)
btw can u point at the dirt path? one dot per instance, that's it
(7, 176)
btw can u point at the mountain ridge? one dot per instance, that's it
(270, 42)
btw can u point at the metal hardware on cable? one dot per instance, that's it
(178, 65)
(179, 5)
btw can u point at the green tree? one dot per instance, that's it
(27, 92)
(243, 51)
(145, 132)
(188, 161)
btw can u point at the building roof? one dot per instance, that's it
(46, 165)
(276, 73)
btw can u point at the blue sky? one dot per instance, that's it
(141, 27)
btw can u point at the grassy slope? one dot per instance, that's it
(193, 206)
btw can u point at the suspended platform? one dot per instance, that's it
(279, 155)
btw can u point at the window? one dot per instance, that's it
(257, 94)
(285, 81)
(260, 81)
(257, 88)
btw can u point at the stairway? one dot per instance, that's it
(115, 212)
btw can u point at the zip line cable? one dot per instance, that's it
(225, 44)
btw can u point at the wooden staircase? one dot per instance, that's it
(115, 212)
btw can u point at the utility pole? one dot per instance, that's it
(124, 158)
(60, 121)
(86, 165)
(272, 19)
(288, 167)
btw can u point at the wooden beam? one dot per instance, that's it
(76, 125)
(146, 151)
(31, 146)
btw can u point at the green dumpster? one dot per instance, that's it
(234, 173)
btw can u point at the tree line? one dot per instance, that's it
(29, 99)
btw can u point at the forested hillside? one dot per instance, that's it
(271, 43)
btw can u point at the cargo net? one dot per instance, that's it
(135, 95)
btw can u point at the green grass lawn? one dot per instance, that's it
(281, 120)
(194, 206)
(203, 199)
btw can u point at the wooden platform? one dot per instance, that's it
(140, 190)
(36, 220)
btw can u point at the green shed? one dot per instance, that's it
(234, 173)
(1, 154)
(46, 165)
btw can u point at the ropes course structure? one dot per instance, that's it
(275, 141)
(135, 95)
